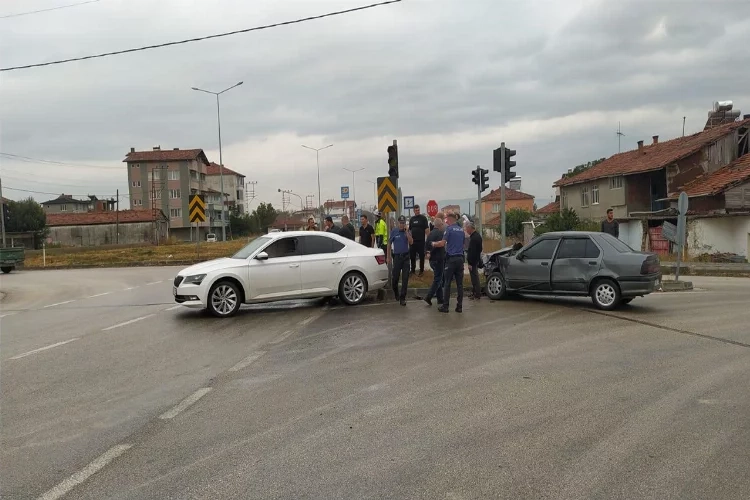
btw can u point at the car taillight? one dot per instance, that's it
(650, 266)
(380, 259)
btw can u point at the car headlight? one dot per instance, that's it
(196, 279)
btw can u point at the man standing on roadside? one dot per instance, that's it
(419, 227)
(330, 227)
(311, 225)
(436, 257)
(381, 232)
(366, 232)
(453, 242)
(347, 228)
(473, 256)
(610, 225)
(398, 253)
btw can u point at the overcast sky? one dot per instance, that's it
(450, 79)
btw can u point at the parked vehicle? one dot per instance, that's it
(574, 263)
(283, 266)
(211, 238)
(11, 258)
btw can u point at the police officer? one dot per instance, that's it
(453, 241)
(398, 253)
(381, 232)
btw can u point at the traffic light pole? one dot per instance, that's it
(2, 211)
(502, 195)
(479, 200)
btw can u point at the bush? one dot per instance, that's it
(567, 220)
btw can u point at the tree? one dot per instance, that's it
(583, 167)
(27, 216)
(241, 225)
(514, 219)
(262, 217)
(566, 220)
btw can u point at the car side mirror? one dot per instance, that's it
(520, 256)
(262, 256)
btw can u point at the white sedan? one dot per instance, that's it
(283, 266)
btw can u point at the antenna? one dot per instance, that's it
(683, 126)
(619, 136)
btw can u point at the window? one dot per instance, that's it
(564, 199)
(157, 195)
(174, 194)
(285, 247)
(495, 208)
(616, 243)
(136, 184)
(174, 175)
(135, 165)
(313, 245)
(63, 208)
(203, 177)
(137, 203)
(239, 195)
(251, 248)
(616, 182)
(595, 195)
(175, 212)
(585, 196)
(542, 250)
(194, 175)
(578, 248)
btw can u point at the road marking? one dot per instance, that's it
(247, 361)
(52, 346)
(82, 475)
(59, 303)
(129, 288)
(282, 337)
(154, 282)
(98, 295)
(8, 314)
(185, 403)
(126, 323)
(173, 307)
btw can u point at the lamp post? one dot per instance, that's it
(354, 187)
(289, 191)
(221, 160)
(375, 192)
(317, 160)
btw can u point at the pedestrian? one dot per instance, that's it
(330, 227)
(473, 259)
(453, 242)
(366, 232)
(419, 228)
(399, 242)
(347, 228)
(610, 225)
(381, 232)
(436, 256)
(311, 225)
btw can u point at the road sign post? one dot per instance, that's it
(409, 203)
(197, 211)
(387, 204)
(682, 208)
(344, 192)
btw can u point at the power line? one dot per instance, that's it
(56, 194)
(47, 10)
(29, 159)
(189, 40)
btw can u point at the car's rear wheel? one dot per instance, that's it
(352, 288)
(605, 294)
(6, 269)
(496, 286)
(224, 299)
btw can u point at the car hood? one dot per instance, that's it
(210, 266)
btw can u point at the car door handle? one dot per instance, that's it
(293, 265)
(593, 262)
(545, 263)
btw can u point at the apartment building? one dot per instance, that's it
(165, 179)
(234, 186)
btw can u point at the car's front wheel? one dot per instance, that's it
(224, 299)
(6, 269)
(605, 294)
(496, 286)
(352, 288)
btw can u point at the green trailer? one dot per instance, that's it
(11, 258)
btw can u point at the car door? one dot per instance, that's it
(277, 277)
(321, 264)
(530, 270)
(577, 261)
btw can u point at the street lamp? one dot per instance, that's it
(354, 187)
(375, 192)
(221, 160)
(289, 191)
(317, 160)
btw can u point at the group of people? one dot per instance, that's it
(369, 235)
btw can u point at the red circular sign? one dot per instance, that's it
(432, 208)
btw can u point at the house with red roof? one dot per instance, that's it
(490, 207)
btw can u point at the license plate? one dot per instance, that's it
(174, 291)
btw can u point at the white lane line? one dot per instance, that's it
(7, 314)
(52, 346)
(282, 337)
(154, 282)
(173, 307)
(185, 403)
(247, 361)
(82, 475)
(98, 295)
(126, 323)
(59, 303)
(129, 288)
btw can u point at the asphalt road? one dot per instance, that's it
(109, 391)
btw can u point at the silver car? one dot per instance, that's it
(574, 263)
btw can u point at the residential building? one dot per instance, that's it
(107, 227)
(234, 186)
(451, 209)
(490, 207)
(165, 179)
(548, 209)
(337, 209)
(65, 203)
(640, 180)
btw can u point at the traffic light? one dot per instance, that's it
(6, 215)
(393, 161)
(485, 179)
(502, 162)
(475, 176)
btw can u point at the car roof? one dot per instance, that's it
(571, 233)
(282, 234)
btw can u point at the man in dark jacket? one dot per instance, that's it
(330, 227)
(473, 258)
(419, 227)
(610, 225)
(437, 261)
(347, 228)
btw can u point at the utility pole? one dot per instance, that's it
(2, 211)
(503, 180)
(117, 218)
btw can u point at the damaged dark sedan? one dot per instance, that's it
(573, 263)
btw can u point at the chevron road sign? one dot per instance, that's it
(197, 208)
(388, 194)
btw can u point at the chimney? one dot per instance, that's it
(175, 149)
(157, 148)
(132, 150)
(640, 147)
(656, 139)
(746, 117)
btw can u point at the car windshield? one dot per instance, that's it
(618, 245)
(251, 247)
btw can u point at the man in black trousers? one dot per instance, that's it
(473, 258)
(419, 227)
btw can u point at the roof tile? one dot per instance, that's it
(167, 155)
(213, 169)
(720, 180)
(550, 208)
(510, 194)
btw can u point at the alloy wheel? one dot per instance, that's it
(494, 286)
(606, 294)
(354, 288)
(224, 299)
